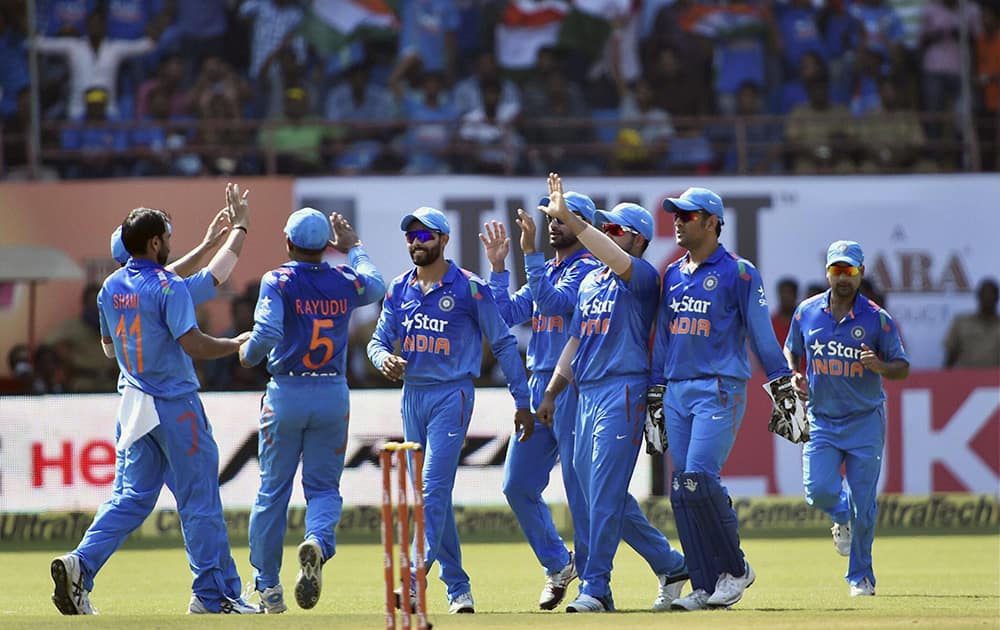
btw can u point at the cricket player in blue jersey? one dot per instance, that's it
(148, 321)
(547, 300)
(439, 313)
(850, 344)
(300, 325)
(607, 353)
(711, 302)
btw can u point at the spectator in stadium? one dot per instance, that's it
(761, 138)
(21, 370)
(645, 130)
(553, 122)
(64, 18)
(100, 144)
(226, 143)
(941, 63)
(891, 137)
(301, 142)
(788, 299)
(973, 339)
(468, 91)
(93, 60)
(13, 63)
(358, 102)
(161, 140)
(51, 375)
(169, 78)
(306, 404)
(845, 404)
(430, 111)
(797, 24)
(988, 76)
(880, 28)
(437, 361)
(427, 40)
(151, 451)
(820, 135)
(75, 341)
(226, 373)
(488, 140)
(680, 90)
(869, 68)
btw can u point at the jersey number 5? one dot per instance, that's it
(135, 331)
(319, 341)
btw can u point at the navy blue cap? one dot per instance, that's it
(845, 252)
(430, 217)
(308, 228)
(629, 215)
(576, 202)
(118, 251)
(694, 199)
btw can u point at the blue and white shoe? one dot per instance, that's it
(462, 604)
(69, 596)
(309, 581)
(226, 607)
(589, 604)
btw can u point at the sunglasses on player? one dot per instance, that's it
(844, 270)
(421, 235)
(558, 222)
(614, 229)
(686, 216)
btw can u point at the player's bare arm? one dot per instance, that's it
(561, 377)
(190, 262)
(892, 370)
(198, 345)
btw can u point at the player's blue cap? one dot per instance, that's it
(694, 199)
(118, 251)
(576, 202)
(845, 252)
(628, 214)
(308, 228)
(432, 218)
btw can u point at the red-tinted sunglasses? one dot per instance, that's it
(686, 216)
(614, 229)
(844, 270)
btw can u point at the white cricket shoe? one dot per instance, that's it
(461, 604)
(864, 588)
(842, 537)
(226, 607)
(695, 600)
(589, 604)
(729, 589)
(555, 585)
(272, 600)
(309, 581)
(69, 595)
(670, 589)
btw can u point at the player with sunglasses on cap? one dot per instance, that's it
(850, 344)
(300, 327)
(712, 301)
(439, 313)
(606, 353)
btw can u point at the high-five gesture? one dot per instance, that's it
(528, 231)
(557, 204)
(237, 206)
(218, 228)
(344, 235)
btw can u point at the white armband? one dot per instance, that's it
(109, 349)
(222, 264)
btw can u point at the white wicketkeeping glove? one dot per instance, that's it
(656, 428)
(789, 416)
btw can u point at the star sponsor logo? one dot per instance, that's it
(817, 348)
(597, 307)
(688, 304)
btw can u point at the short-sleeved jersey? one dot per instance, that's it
(302, 314)
(839, 385)
(441, 332)
(146, 309)
(613, 320)
(706, 317)
(548, 299)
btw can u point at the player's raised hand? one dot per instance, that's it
(237, 206)
(344, 235)
(528, 231)
(495, 243)
(218, 228)
(557, 204)
(870, 360)
(393, 367)
(524, 423)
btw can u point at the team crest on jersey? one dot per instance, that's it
(710, 283)
(858, 333)
(446, 303)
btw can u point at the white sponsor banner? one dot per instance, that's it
(57, 452)
(928, 240)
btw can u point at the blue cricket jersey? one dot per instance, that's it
(302, 313)
(441, 332)
(839, 385)
(548, 299)
(705, 318)
(613, 320)
(145, 309)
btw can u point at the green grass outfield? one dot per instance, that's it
(924, 582)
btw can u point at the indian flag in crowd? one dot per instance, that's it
(330, 26)
(526, 27)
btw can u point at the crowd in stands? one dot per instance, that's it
(227, 87)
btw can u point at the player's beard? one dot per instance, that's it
(163, 256)
(844, 290)
(562, 240)
(424, 255)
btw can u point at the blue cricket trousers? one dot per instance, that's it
(437, 416)
(303, 418)
(857, 445)
(181, 452)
